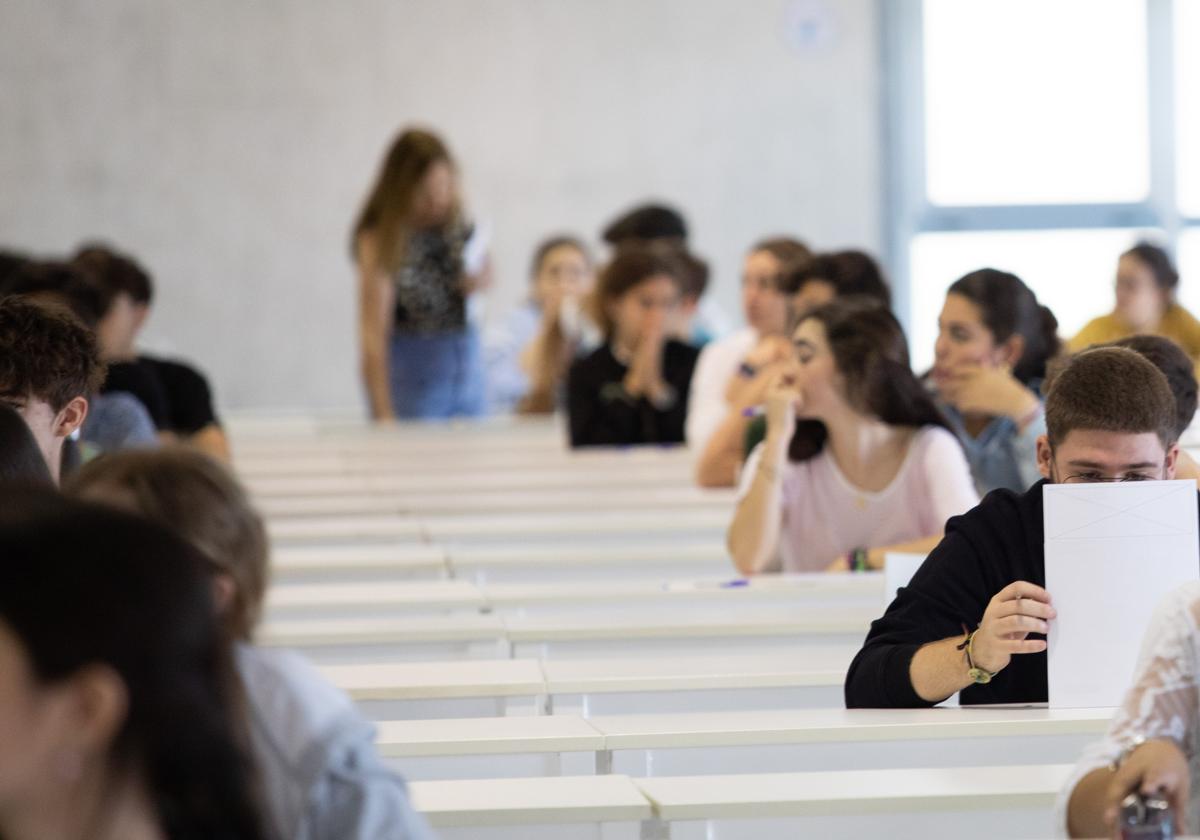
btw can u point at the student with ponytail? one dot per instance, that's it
(994, 340)
(857, 460)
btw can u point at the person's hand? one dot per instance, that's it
(1156, 767)
(841, 564)
(645, 370)
(770, 349)
(1016, 611)
(974, 389)
(744, 393)
(784, 400)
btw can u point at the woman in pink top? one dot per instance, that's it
(857, 460)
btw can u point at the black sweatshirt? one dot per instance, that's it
(603, 414)
(998, 542)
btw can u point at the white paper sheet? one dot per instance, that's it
(898, 570)
(1113, 552)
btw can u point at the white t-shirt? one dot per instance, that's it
(826, 517)
(717, 365)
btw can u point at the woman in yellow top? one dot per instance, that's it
(1146, 283)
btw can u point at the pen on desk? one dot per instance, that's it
(754, 411)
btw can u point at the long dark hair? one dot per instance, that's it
(83, 585)
(1159, 262)
(871, 354)
(1009, 308)
(20, 459)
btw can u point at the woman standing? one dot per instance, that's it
(417, 264)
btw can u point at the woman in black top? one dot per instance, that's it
(633, 389)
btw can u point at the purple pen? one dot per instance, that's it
(754, 411)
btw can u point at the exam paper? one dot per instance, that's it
(1113, 552)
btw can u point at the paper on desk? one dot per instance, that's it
(898, 569)
(1113, 551)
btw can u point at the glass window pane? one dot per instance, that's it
(1029, 102)
(1071, 271)
(1187, 104)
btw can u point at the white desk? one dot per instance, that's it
(575, 560)
(400, 639)
(339, 530)
(371, 599)
(355, 562)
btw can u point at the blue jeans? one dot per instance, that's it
(437, 376)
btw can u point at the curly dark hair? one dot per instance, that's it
(46, 353)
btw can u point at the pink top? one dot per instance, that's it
(825, 516)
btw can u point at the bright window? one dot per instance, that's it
(1187, 104)
(1034, 102)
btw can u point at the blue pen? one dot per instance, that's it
(731, 584)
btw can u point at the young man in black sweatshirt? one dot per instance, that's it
(974, 616)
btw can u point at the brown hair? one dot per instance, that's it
(1109, 389)
(114, 272)
(47, 353)
(191, 494)
(871, 354)
(389, 204)
(633, 265)
(849, 272)
(791, 253)
(564, 240)
(1008, 307)
(1176, 365)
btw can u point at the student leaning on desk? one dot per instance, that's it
(974, 616)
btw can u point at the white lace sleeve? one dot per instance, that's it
(1162, 702)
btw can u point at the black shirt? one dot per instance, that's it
(603, 414)
(429, 282)
(176, 395)
(996, 543)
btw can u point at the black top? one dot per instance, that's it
(996, 543)
(429, 283)
(603, 414)
(176, 395)
(142, 381)
(189, 399)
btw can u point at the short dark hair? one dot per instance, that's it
(645, 223)
(563, 240)
(691, 270)
(1176, 365)
(1109, 389)
(632, 265)
(115, 273)
(851, 273)
(64, 283)
(1008, 307)
(1159, 262)
(47, 353)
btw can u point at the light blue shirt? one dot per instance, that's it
(1000, 456)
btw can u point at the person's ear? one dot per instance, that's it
(224, 590)
(71, 417)
(1172, 461)
(1045, 456)
(98, 705)
(1011, 351)
(141, 311)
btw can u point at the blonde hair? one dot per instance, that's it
(194, 496)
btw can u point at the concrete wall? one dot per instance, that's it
(229, 143)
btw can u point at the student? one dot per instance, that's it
(733, 373)
(1169, 358)
(116, 420)
(21, 462)
(321, 775)
(698, 319)
(814, 282)
(529, 357)
(118, 720)
(1110, 416)
(994, 340)
(837, 274)
(635, 388)
(420, 355)
(1153, 741)
(175, 393)
(1146, 286)
(49, 367)
(857, 460)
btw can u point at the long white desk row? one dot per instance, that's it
(675, 683)
(692, 743)
(549, 560)
(1005, 801)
